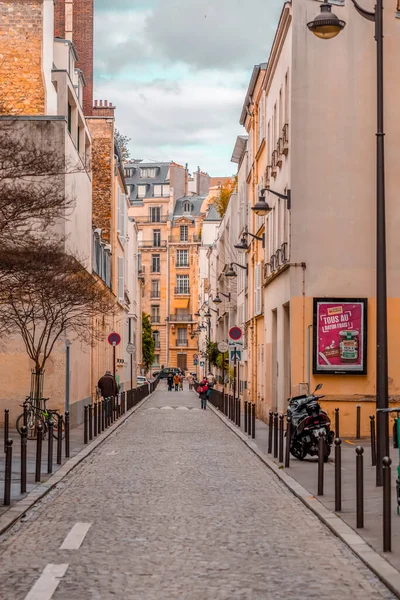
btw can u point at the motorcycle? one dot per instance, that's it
(308, 422)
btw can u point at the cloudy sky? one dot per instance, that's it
(178, 71)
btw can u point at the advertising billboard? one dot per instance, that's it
(340, 336)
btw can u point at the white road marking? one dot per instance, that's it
(166, 408)
(47, 583)
(74, 539)
(113, 453)
(182, 408)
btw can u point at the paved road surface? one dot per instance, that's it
(174, 506)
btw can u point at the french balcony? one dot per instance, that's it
(155, 295)
(155, 319)
(182, 291)
(190, 239)
(182, 343)
(152, 244)
(186, 318)
(151, 220)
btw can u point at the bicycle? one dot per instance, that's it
(33, 415)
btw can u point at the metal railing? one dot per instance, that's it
(181, 318)
(182, 291)
(191, 239)
(182, 343)
(152, 244)
(160, 219)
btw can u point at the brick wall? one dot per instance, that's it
(59, 19)
(83, 38)
(21, 83)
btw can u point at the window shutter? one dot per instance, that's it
(121, 282)
(257, 290)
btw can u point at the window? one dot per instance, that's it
(155, 214)
(161, 191)
(155, 263)
(155, 288)
(121, 214)
(187, 207)
(139, 262)
(155, 314)
(157, 238)
(182, 284)
(121, 278)
(182, 337)
(69, 118)
(148, 173)
(129, 172)
(142, 191)
(156, 361)
(156, 338)
(184, 233)
(182, 258)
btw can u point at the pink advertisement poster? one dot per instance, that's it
(340, 336)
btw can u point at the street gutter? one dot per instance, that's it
(9, 518)
(372, 559)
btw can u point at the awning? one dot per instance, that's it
(181, 302)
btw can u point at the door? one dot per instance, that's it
(182, 362)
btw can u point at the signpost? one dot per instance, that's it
(131, 348)
(114, 339)
(235, 334)
(223, 347)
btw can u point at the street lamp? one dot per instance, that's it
(243, 246)
(382, 388)
(231, 271)
(217, 299)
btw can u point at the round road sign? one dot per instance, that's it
(223, 347)
(235, 333)
(131, 348)
(114, 339)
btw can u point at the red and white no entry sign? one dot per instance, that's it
(114, 339)
(235, 333)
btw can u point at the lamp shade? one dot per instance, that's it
(242, 246)
(231, 272)
(261, 208)
(326, 25)
(217, 300)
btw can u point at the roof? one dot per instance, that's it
(196, 204)
(213, 214)
(219, 180)
(240, 148)
(250, 90)
(162, 176)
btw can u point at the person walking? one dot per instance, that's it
(190, 380)
(203, 391)
(181, 378)
(107, 385)
(177, 380)
(170, 381)
(211, 379)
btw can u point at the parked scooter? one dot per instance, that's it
(308, 421)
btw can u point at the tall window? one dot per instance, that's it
(182, 336)
(155, 263)
(141, 191)
(155, 214)
(156, 338)
(184, 233)
(148, 173)
(161, 191)
(155, 314)
(69, 118)
(182, 284)
(121, 278)
(187, 207)
(182, 258)
(157, 238)
(155, 288)
(156, 361)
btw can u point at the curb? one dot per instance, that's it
(372, 559)
(13, 514)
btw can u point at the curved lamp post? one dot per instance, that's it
(326, 25)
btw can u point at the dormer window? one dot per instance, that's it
(148, 173)
(187, 207)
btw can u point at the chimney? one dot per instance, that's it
(198, 181)
(102, 109)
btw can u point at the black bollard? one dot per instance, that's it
(321, 448)
(90, 417)
(338, 474)
(239, 413)
(67, 434)
(39, 440)
(360, 487)
(281, 435)
(85, 425)
(245, 416)
(24, 443)
(7, 474)
(25, 415)
(373, 442)
(6, 427)
(59, 439)
(253, 421)
(337, 427)
(358, 424)
(276, 427)
(270, 430)
(50, 426)
(387, 505)
(288, 440)
(103, 415)
(98, 417)
(95, 419)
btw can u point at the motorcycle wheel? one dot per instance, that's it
(327, 451)
(298, 451)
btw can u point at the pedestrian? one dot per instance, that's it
(202, 390)
(107, 385)
(190, 380)
(211, 379)
(170, 381)
(177, 380)
(181, 378)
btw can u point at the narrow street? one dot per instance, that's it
(174, 506)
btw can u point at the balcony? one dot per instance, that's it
(182, 265)
(152, 220)
(181, 318)
(155, 319)
(182, 343)
(152, 244)
(182, 291)
(155, 295)
(141, 272)
(191, 239)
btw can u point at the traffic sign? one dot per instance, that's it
(195, 362)
(223, 347)
(114, 339)
(202, 363)
(238, 354)
(131, 348)
(195, 356)
(235, 333)
(237, 343)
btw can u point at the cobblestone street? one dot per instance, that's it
(174, 506)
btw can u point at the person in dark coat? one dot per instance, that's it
(170, 381)
(108, 385)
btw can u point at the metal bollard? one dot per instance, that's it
(239, 413)
(337, 431)
(253, 420)
(39, 440)
(6, 427)
(249, 419)
(373, 442)
(387, 505)
(50, 426)
(59, 439)
(270, 430)
(360, 487)
(358, 424)
(85, 425)
(103, 415)
(245, 416)
(321, 444)
(99, 418)
(8, 472)
(24, 443)
(95, 419)
(25, 415)
(90, 416)
(288, 440)
(67, 434)
(281, 435)
(338, 474)
(275, 435)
